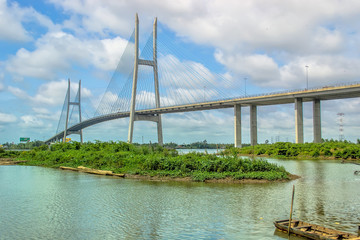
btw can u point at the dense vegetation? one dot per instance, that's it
(329, 149)
(24, 145)
(8, 154)
(152, 161)
(195, 145)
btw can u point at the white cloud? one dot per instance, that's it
(328, 41)
(185, 81)
(257, 25)
(106, 55)
(18, 92)
(255, 22)
(261, 69)
(57, 52)
(41, 110)
(109, 102)
(194, 126)
(183, 74)
(100, 16)
(7, 118)
(30, 121)
(240, 30)
(13, 16)
(10, 27)
(44, 113)
(265, 41)
(323, 70)
(264, 72)
(50, 93)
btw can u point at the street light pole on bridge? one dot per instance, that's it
(307, 77)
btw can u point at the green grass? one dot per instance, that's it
(125, 158)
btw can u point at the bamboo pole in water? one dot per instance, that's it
(291, 209)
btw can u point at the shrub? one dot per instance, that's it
(315, 153)
(151, 160)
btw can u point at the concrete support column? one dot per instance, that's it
(299, 125)
(253, 125)
(317, 121)
(237, 125)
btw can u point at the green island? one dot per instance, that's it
(154, 161)
(329, 149)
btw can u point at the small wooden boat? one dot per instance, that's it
(313, 231)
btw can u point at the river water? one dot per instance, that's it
(43, 203)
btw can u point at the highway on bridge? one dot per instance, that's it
(324, 93)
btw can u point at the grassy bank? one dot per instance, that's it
(326, 150)
(152, 161)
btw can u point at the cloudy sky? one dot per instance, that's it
(43, 43)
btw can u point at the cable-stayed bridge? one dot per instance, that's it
(160, 80)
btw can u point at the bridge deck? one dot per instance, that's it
(325, 93)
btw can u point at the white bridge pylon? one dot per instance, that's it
(153, 63)
(77, 103)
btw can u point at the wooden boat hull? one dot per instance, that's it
(313, 231)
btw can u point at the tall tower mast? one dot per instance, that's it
(153, 63)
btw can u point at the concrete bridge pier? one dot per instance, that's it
(299, 124)
(253, 125)
(317, 121)
(237, 125)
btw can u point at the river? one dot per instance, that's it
(43, 203)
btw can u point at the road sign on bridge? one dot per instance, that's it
(24, 139)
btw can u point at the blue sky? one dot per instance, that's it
(43, 43)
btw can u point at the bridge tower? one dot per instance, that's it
(77, 103)
(153, 63)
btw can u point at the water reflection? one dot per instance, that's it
(319, 194)
(42, 203)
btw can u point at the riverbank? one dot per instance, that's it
(351, 161)
(153, 162)
(10, 161)
(331, 150)
(167, 178)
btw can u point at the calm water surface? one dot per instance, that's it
(41, 203)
